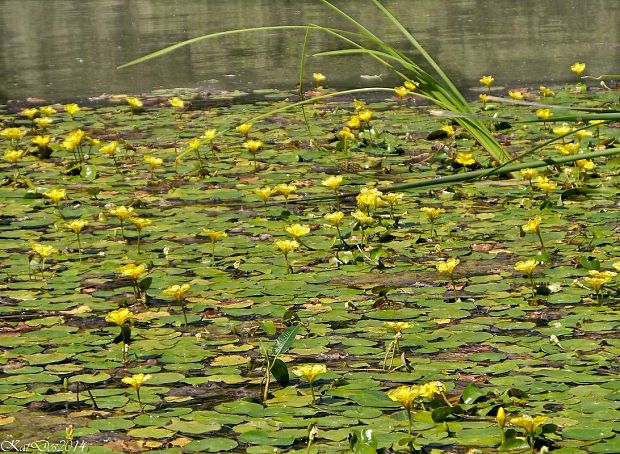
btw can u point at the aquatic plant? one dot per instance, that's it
(310, 372)
(178, 292)
(76, 226)
(136, 381)
(121, 318)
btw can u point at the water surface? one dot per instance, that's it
(66, 49)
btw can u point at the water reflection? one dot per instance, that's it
(63, 49)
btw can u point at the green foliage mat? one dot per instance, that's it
(552, 354)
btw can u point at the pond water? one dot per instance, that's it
(68, 49)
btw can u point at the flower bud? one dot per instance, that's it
(501, 417)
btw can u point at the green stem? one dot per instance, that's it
(289, 268)
(541, 241)
(212, 253)
(267, 378)
(139, 400)
(410, 417)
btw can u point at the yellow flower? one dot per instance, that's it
(515, 94)
(110, 149)
(609, 275)
(285, 189)
(264, 193)
(48, 111)
(134, 103)
(30, 113)
(121, 212)
(310, 371)
(546, 92)
(528, 174)
(194, 144)
(362, 217)
(286, 246)
(139, 222)
(43, 250)
(562, 130)
(578, 67)
(76, 136)
(152, 161)
(13, 155)
(546, 185)
(447, 266)
(596, 283)
(41, 141)
(585, 164)
(71, 109)
(544, 114)
(132, 271)
(583, 134)
(487, 81)
(214, 235)
(354, 122)
(432, 389)
(365, 115)
(401, 92)
(177, 103)
(533, 225)
(568, 148)
(332, 182)
(76, 225)
(449, 130)
(411, 86)
(178, 291)
(253, 145)
(345, 134)
(392, 198)
(209, 134)
(43, 122)
(597, 279)
(358, 104)
(501, 417)
(528, 423)
(405, 395)
(334, 218)
(244, 128)
(369, 197)
(318, 78)
(483, 97)
(119, 316)
(55, 195)
(465, 159)
(12, 133)
(136, 381)
(527, 266)
(297, 230)
(396, 327)
(432, 213)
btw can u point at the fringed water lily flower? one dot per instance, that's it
(310, 372)
(136, 381)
